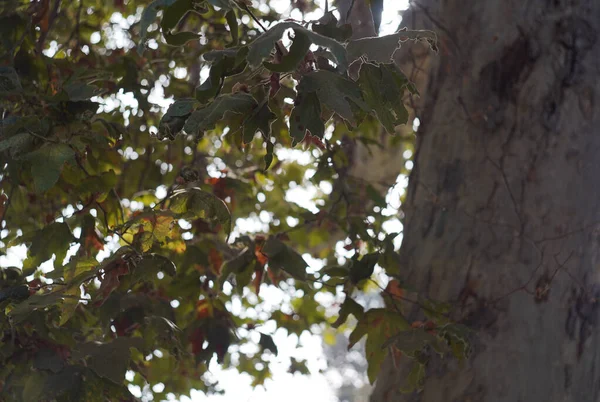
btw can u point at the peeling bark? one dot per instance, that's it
(502, 212)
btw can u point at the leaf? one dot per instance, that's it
(231, 19)
(266, 342)
(111, 280)
(17, 293)
(9, 80)
(269, 154)
(281, 256)
(109, 360)
(379, 325)
(173, 121)
(363, 268)
(205, 118)
(339, 94)
(295, 55)
(383, 88)
(262, 47)
(348, 307)
(55, 239)
(179, 38)
(35, 302)
(260, 120)
(328, 26)
(415, 378)
(80, 91)
(382, 48)
(236, 265)
(306, 116)
(152, 264)
(46, 164)
(224, 63)
(176, 11)
(148, 17)
(193, 203)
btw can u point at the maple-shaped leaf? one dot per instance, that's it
(382, 48)
(193, 203)
(328, 26)
(224, 63)
(110, 280)
(341, 95)
(350, 306)
(260, 119)
(383, 88)
(174, 120)
(379, 325)
(266, 342)
(306, 116)
(262, 47)
(148, 16)
(109, 360)
(363, 268)
(281, 256)
(205, 118)
(54, 239)
(47, 163)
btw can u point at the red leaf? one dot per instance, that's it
(197, 341)
(258, 275)
(111, 280)
(216, 260)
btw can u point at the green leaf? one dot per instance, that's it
(80, 91)
(17, 293)
(148, 17)
(173, 121)
(152, 264)
(269, 155)
(175, 12)
(56, 239)
(381, 49)
(180, 38)
(109, 360)
(35, 302)
(266, 342)
(34, 386)
(328, 26)
(383, 89)
(46, 164)
(363, 268)
(9, 80)
(259, 120)
(306, 116)
(415, 378)
(233, 26)
(193, 203)
(262, 47)
(205, 118)
(339, 94)
(236, 265)
(348, 307)
(379, 325)
(281, 256)
(295, 55)
(224, 63)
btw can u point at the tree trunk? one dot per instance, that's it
(503, 206)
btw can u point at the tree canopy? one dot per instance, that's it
(151, 227)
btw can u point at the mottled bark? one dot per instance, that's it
(503, 206)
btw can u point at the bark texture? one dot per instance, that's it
(503, 203)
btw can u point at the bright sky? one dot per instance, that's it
(282, 386)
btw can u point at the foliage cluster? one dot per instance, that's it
(135, 258)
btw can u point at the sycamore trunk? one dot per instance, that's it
(503, 204)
